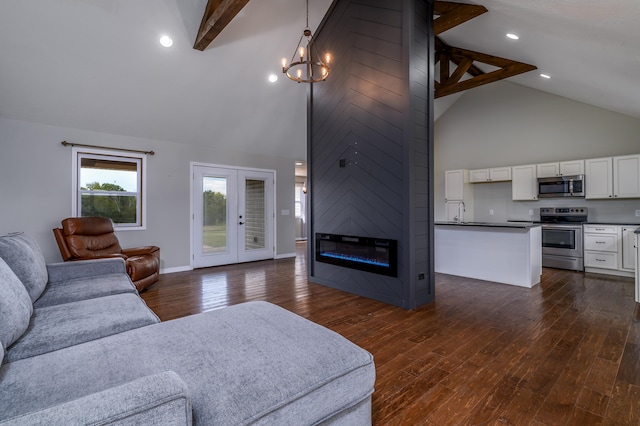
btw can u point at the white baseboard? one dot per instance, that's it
(176, 269)
(285, 255)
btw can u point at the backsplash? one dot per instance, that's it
(497, 197)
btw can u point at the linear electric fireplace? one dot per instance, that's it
(366, 254)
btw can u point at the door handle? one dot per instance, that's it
(240, 223)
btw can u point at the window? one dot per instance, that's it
(110, 184)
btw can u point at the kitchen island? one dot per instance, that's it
(508, 253)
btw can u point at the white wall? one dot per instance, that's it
(504, 124)
(35, 186)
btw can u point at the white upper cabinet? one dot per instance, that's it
(563, 168)
(598, 178)
(496, 174)
(455, 184)
(525, 183)
(626, 176)
(613, 177)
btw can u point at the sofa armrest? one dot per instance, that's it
(139, 251)
(65, 271)
(161, 398)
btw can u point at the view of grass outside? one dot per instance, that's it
(215, 238)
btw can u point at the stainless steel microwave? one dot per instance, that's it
(561, 186)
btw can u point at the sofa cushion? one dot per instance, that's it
(90, 287)
(253, 363)
(22, 253)
(15, 306)
(60, 326)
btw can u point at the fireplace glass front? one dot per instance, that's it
(366, 254)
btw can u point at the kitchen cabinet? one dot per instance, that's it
(598, 177)
(609, 249)
(613, 177)
(637, 268)
(524, 184)
(456, 184)
(496, 174)
(626, 176)
(458, 195)
(628, 247)
(563, 168)
(602, 247)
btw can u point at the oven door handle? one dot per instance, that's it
(554, 226)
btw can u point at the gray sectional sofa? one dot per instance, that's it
(79, 346)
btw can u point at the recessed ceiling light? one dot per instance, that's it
(545, 76)
(298, 163)
(273, 78)
(166, 41)
(513, 36)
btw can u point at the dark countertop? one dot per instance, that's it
(612, 223)
(521, 225)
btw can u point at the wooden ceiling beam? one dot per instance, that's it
(217, 15)
(453, 14)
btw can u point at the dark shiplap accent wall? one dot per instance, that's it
(375, 113)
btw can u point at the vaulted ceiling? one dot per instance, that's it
(97, 64)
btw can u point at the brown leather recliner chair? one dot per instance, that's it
(82, 238)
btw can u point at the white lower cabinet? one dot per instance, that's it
(609, 249)
(628, 248)
(637, 268)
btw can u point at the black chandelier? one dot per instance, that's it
(306, 66)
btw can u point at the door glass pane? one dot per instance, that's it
(254, 214)
(214, 215)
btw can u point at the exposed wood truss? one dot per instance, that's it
(449, 81)
(217, 15)
(451, 15)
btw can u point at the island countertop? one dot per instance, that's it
(524, 225)
(509, 253)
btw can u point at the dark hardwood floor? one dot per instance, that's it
(566, 352)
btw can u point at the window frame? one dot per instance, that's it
(117, 155)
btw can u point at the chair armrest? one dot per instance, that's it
(161, 398)
(139, 251)
(65, 271)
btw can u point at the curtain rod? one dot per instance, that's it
(65, 143)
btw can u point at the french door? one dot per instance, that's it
(233, 215)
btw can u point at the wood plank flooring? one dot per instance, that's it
(566, 352)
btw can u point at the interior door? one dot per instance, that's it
(232, 216)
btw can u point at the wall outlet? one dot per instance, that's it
(530, 212)
(491, 212)
(638, 213)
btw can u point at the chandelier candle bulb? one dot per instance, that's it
(327, 58)
(301, 54)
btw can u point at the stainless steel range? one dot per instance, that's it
(562, 246)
